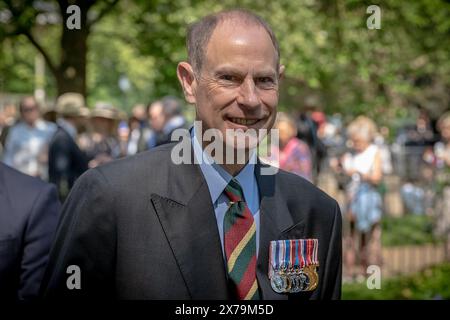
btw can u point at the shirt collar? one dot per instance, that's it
(218, 178)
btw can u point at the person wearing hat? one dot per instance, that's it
(66, 162)
(102, 143)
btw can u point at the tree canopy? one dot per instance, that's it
(333, 61)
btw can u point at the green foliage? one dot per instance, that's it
(20, 77)
(407, 230)
(329, 53)
(115, 54)
(432, 283)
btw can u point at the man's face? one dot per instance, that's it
(102, 125)
(30, 111)
(156, 115)
(237, 87)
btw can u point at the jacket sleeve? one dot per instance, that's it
(333, 266)
(38, 237)
(82, 260)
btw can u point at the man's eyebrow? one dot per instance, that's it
(231, 70)
(227, 70)
(266, 73)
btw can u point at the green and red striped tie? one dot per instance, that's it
(240, 244)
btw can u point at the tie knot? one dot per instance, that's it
(234, 191)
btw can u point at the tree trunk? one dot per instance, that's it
(71, 72)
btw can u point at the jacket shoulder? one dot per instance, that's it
(144, 166)
(20, 183)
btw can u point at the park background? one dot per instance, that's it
(126, 53)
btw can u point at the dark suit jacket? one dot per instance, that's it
(29, 212)
(144, 228)
(66, 162)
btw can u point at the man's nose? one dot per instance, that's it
(248, 95)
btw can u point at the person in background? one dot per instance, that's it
(381, 140)
(442, 148)
(8, 119)
(123, 135)
(140, 136)
(165, 118)
(155, 120)
(139, 112)
(307, 132)
(103, 145)
(27, 141)
(29, 213)
(292, 153)
(66, 162)
(49, 114)
(419, 163)
(442, 164)
(363, 165)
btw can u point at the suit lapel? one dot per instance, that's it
(275, 220)
(188, 220)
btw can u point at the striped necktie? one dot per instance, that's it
(240, 244)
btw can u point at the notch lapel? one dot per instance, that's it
(189, 223)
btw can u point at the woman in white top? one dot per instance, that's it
(363, 164)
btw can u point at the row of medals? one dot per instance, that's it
(294, 280)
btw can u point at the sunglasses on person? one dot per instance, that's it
(29, 109)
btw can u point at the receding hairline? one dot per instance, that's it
(199, 33)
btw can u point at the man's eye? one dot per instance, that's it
(228, 77)
(265, 80)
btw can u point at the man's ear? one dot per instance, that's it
(281, 72)
(187, 80)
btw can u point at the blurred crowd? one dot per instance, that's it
(58, 144)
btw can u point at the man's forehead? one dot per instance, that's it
(28, 101)
(263, 69)
(232, 40)
(239, 32)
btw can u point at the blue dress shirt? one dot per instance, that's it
(217, 179)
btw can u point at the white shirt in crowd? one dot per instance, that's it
(26, 147)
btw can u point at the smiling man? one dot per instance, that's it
(147, 228)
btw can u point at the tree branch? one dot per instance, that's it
(20, 29)
(36, 44)
(102, 13)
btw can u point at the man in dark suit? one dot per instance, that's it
(66, 162)
(154, 227)
(29, 212)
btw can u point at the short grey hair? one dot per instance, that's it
(200, 32)
(171, 106)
